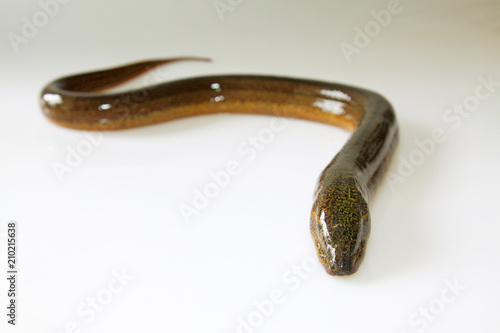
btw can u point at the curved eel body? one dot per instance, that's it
(340, 221)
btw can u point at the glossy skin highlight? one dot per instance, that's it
(340, 220)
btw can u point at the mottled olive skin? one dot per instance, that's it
(340, 224)
(340, 220)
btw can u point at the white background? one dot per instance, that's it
(118, 210)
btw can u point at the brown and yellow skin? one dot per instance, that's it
(340, 221)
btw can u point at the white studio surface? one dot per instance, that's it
(105, 248)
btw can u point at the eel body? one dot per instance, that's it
(340, 220)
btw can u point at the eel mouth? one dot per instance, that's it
(342, 263)
(339, 262)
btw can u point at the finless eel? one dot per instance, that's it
(340, 220)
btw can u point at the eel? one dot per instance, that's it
(340, 219)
